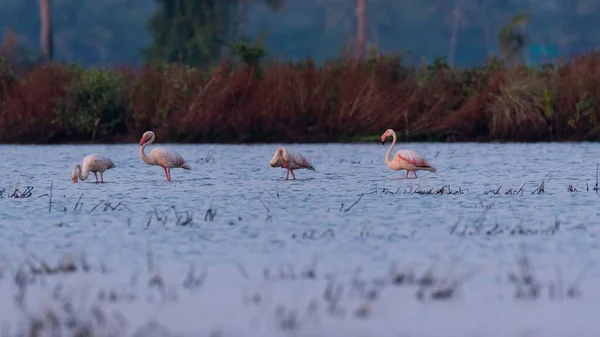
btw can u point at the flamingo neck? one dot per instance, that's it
(146, 159)
(82, 174)
(389, 151)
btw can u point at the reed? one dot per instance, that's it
(300, 102)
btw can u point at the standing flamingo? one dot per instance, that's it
(291, 161)
(165, 158)
(92, 163)
(408, 160)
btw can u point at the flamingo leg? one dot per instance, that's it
(169, 172)
(415, 173)
(96, 175)
(166, 173)
(406, 174)
(293, 174)
(287, 176)
(101, 177)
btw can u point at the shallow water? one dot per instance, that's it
(353, 212)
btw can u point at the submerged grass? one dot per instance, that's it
(300, 102)
(356, 299)
(64, 313)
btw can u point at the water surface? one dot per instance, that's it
(353, 215)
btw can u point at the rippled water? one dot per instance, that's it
(353, 212)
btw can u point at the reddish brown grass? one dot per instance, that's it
(300, 102)
(27, 108)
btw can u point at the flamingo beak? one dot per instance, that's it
(383, 138)
(143, 140)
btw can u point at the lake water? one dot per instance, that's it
(323, 255)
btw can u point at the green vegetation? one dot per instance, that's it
(213, 76)
(249, 100)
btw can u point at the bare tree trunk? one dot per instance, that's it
(454, 36)
(361, 29)
(46, 42)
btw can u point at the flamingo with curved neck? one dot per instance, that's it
(291, 161)
(404, 159)
(92, 163)
(165, 158)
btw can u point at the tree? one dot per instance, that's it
(360, 43)
(193, 31)
(513, 38)
(46, 41)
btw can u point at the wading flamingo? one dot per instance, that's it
(92, 163)
(291, 161)
(408, 160)
(165, 158)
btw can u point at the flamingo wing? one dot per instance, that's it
(298, 160)
(166, 157)
(107, 162)
(96, 162)
(412, 158)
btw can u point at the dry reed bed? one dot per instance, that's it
(301, 102)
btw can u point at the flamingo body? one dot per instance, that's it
(165, 158)
(290, 160)
(404, 159)
(92, 163)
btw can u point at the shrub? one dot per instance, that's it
(95, 103)
(27, 108)
(300, 102)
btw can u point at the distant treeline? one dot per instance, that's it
(345, 100)
(200, 31)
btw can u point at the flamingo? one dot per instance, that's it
(291, 161)
(408, 160)
(165, 158)
(92, 163)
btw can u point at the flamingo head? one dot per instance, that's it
(387, 133)
(74, 174)
(276, 160)
(146, 137)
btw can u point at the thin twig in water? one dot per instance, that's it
(596, 187)
(181, 221)
(354, 204)
(540, 189)
(210, 214)
(50, 200)
(109, 206)
(17, 194)
(455, 226)
(78, 203)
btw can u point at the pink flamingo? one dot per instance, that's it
(165, 158)
(291, 161)
(408, 160)
(92, 163)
